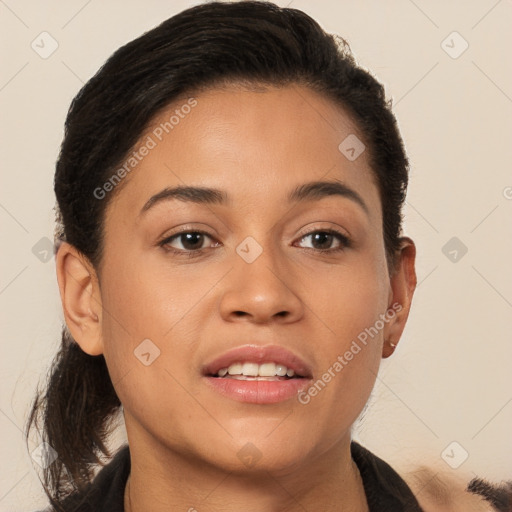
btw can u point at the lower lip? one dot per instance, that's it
(258, 391)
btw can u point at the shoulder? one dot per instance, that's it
(440, 491)
(427, 488)
(385, 489)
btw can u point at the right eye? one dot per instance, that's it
(186, 241)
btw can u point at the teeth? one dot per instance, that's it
(267, 370)
(256, 370)
(281, 370)
(250, 369)
(235, 369)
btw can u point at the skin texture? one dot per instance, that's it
(184, 438)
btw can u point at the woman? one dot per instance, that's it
(232, 270)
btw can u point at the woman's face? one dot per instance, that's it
(284, 272)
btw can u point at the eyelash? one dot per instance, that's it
(345, 242)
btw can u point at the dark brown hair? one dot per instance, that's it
(211, 44)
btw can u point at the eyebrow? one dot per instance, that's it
(314, 190)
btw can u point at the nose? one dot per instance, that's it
(260, 292)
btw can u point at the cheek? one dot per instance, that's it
(144, 299)
(348, 298)
(350, 305)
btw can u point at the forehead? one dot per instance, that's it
(255, 144)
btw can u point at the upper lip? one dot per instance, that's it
(259, 354)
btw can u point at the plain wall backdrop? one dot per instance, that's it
(447, 67)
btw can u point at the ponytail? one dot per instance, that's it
(74, 414)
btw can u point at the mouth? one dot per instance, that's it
(259, 375)
(269, 371)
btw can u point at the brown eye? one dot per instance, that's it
(186, 241)
(323, 240)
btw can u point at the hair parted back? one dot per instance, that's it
(212, 44)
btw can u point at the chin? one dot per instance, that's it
(279, 454)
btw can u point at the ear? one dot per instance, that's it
(81, 299)
(403, 283)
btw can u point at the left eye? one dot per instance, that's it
(323, 240)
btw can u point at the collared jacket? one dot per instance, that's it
(385, 490)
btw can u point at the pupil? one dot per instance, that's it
(190, 238)
(322, 237)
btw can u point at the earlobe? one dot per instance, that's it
(80, 297)
(403, 284)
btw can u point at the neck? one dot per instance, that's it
(162, 480)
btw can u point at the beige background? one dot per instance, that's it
(450, 379)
